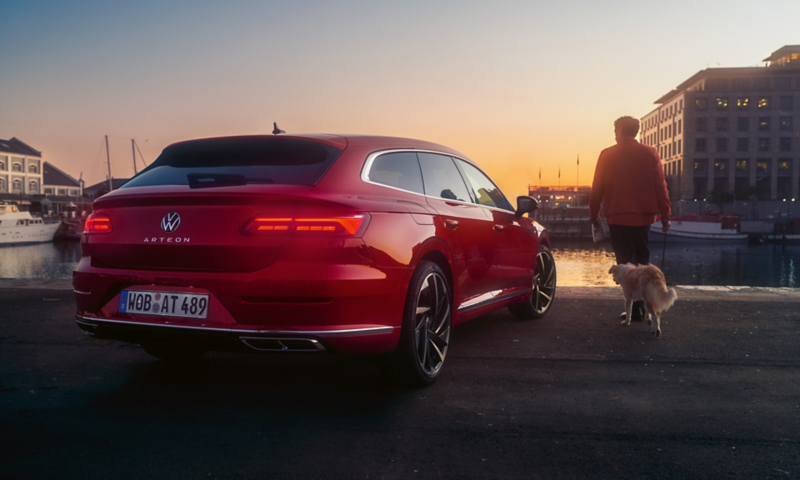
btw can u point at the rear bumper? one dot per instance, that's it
(241, 339)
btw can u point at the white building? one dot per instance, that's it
(20, 168)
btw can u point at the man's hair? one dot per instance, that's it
(628, 126)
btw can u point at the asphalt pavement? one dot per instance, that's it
(573, 395)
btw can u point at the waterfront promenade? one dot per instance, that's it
(574, 395)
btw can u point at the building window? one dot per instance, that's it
(33, 187)
(763, 144)
(783, 165)
(679, 146)
(2, 185)
(741, 165)
(722, 124)
(33, 168)
(700, 145)
(743, 102)
(763, 103)
(16, 185)
(17, 167)
(742, 124)
(762, 165)
(722, 102)
(679, 127)
(73, 193)
(761, 83)
(786, 124)
(785, 144)
(62, 191)
(720, 165)
(722, 145)
(700, 166)
(742, 144)
(681, 105)
(701, 124)
(48, 191)
(741, 83)
(763, 124)
(783, 83)
(785, 102)
(701, 103)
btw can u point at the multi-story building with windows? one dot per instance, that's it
(735, 130)
(20, 168)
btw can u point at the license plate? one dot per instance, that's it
(172, 304)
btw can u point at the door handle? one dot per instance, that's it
(499, 228)
(451, 224)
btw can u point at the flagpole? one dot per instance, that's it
(577, 179)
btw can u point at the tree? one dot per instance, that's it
(720, 198)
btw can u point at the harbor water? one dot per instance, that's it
(579, 263)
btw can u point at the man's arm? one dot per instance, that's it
(662, 193)
(598, 189)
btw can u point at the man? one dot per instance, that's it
(629, 181)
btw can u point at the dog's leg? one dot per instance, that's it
(628, 311)
(657, 325)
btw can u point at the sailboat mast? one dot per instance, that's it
(108, 159)
(133, 149)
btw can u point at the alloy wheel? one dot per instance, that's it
(544, 282)
(432, 322)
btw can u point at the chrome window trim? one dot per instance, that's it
(352, 332)
(372, 156)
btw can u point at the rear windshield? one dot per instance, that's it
(239, 161)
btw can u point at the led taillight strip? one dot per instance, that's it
(349, 224)
(97, 224)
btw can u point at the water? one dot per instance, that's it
(579, 263)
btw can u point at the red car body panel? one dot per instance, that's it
(348, 292)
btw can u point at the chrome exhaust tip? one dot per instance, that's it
(276, 344)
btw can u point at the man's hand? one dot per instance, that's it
(595, 222)
(665, 226)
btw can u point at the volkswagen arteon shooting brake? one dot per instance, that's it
(354, 244)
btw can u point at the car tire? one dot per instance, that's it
(173, 352)
(543, 292)
(425, 332)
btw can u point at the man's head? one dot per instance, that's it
(626, 127)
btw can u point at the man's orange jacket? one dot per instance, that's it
(629, 181)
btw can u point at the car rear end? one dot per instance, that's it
(217, 245)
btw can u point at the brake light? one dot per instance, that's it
(97, 224)
(348, 225)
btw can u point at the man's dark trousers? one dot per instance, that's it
(630, 246)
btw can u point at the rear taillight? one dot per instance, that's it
(97, 224)
(344, 225)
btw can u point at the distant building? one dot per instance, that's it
(101, 188)
(20, 169)
(732, 130)
(557, 197)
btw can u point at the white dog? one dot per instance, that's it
(645, 282)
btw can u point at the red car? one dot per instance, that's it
(309, 243)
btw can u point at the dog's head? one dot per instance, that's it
(617, 271)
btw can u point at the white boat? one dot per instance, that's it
(694, 231)
(21, 227)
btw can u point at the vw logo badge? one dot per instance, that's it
(170, 222)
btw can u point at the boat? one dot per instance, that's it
(18, 227)
(706, 228)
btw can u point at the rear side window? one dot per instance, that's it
(399, 170)
(441, 177)
(486, 192)
(239, 161)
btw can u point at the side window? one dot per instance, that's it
(442, 178)
(399, 170)
(485, 190)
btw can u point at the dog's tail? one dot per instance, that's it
(663, 297)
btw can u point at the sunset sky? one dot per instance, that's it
(513, 85)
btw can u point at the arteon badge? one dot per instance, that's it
(170, 222)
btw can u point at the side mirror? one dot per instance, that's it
(525, 205)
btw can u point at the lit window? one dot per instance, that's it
(701, 103)
(743, 102)
(763, 124)
(741, 165)
(700, 165)
(786, 123)
(720, 165)
(763, 102)
(783, 165)
(722, 102)
(762, 165)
